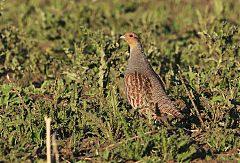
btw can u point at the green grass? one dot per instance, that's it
(66, 61)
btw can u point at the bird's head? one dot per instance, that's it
(132, 39)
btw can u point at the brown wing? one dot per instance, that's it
(143, 94)
(138, 88)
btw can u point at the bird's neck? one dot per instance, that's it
(137, 57)
(136, 47)
(136, 50)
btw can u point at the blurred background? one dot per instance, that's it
(64, 59)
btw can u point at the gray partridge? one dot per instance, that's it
(142, 85)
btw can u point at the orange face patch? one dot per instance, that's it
(131, 38)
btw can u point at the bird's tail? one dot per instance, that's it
(172, 110)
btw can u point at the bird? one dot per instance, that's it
(143, 86)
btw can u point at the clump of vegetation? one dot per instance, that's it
(65, 61)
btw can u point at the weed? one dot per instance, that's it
(65, 61)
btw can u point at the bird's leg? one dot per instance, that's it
(159, 116)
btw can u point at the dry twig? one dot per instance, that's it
(55, 148)
(17, 92)
(191, 97)
(48, 140)
(112, 146)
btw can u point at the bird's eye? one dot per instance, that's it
(130, 35)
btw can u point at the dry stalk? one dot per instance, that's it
(112, 146)
(17, 92)
(191, 97)
(55, 148)
(48, 139)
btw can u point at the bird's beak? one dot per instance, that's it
(123, 37)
